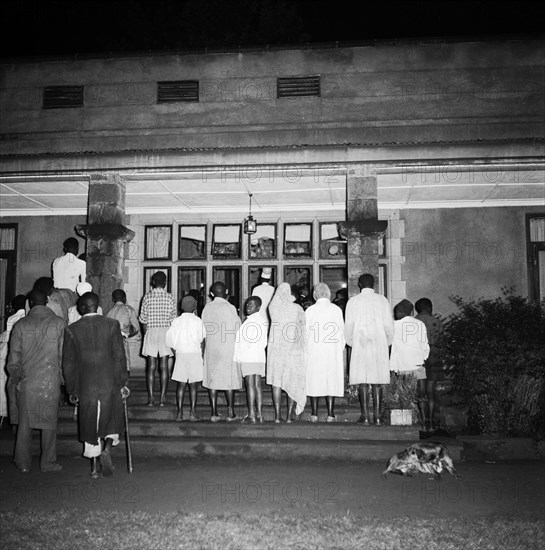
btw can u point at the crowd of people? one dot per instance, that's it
(60, 337)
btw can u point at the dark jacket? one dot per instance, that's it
(95, 369)
(34, 365)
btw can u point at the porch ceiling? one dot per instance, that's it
(275, 191)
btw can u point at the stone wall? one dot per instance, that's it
(470, 252)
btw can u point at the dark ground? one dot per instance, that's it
(216, 486)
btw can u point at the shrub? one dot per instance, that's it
(401, 393)
(495, 352)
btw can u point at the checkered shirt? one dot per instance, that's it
(158, 309)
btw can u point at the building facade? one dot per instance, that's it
(422, 163)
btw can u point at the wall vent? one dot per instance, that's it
(298, 86)
(62, 97)
(177, 90)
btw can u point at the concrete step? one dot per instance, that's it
(243, 448)
(143, 412)
(297, 430)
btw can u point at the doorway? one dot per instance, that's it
(8, 263)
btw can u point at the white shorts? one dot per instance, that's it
(155, 343)
(189, 367)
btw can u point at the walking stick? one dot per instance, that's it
(125, 392)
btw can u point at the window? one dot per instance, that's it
(226, 241)
(535, 238)
(192, 242)
(148, 273)
(62, 97)
(298, 240)
(332, 245)
(192, 279)
(230, 276)
(298, 86)
(178, 91)
(262, 244)
(335, 277)
(158, 242)
(8, 237)
(300, 280)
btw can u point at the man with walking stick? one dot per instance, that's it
(95, 370)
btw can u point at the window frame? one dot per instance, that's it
(197, 258)
(226, 257)
(169, 256)
(148, 268)
(298, 256)
(266, 258)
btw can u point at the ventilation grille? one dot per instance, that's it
(179, 90)
(298, 86)
(62, 97)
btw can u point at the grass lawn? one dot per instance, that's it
(75, 529)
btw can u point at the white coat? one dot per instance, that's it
(325, 340)
(369, 330)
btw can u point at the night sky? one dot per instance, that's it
(52, 27)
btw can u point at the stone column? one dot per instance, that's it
(106, 235)
(362, 228)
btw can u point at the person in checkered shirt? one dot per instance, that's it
(156, 315)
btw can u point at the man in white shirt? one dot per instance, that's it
(265, 290)
(69, 270)
(185, 336)
(250, 344)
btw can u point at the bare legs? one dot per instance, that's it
(151, 367)
(164, 376)
(229, 398)
(377, 403)
(254, 397)
(425, 394)
(430, 392)
(277, 400)
(363, 394)
(180, 392)
(330, 402)
(421, 402)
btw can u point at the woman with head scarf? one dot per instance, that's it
(286, 353)
(325, 336)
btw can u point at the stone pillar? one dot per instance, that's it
(106, 235)
(362, 228)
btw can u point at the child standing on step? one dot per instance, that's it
(410, 349)
(185, 337)
(250, 344)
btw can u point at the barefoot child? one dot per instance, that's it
(250, 345)
(185, 336)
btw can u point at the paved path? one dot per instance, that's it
(216, 486)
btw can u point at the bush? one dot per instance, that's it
(495, 352)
